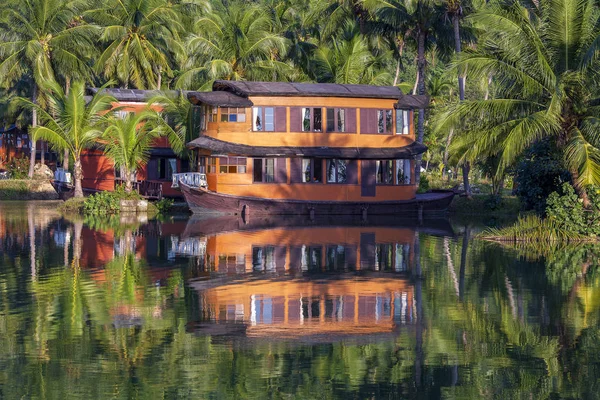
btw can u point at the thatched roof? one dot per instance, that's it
(221, 99)
(220, 147)
(291, 89)
(412, 102)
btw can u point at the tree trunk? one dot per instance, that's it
(129, 177)
(461, 95)
(421, 64)
(66, 160)
(159, 78)
(78, 178)
(579, 189)
(42, 152)
(400, 51)
(446, 151)
(33, 125)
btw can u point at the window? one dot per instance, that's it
(402, 122)
(211, 168)
(314, 124)
(263, 119)
(166, 168)
(336, 258)
(263, 258)
(312, 170)
(232, 165)
(336, 171)
(336, 120)
(264, 170)
(202, 165)
(384, 121)
(385, 172)
(212, 114)
(311, 258)
(403, 172)
(233, 114)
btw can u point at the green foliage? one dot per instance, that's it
(538, 174)
(73, 206)
(567, 211)
(494, 202)
(164, 206)
(102, 203)
(105, 203)
(531, 230)
(18, 167)
(423, 184)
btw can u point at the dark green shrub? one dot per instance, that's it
(102, 203)
(494, 202)
(566, 211)
(538, 174)
(423, 184)
(163, 206)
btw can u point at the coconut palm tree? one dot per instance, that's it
(349, 62)
(128, 141)
(236, 41)
(545, 70)
(70, 122)
(143, 41)
(41, 40)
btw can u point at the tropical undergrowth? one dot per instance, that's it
(566, 221)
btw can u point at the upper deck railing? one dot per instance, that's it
(192, 179)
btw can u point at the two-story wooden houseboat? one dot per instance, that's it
(294, 148)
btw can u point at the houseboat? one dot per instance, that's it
(297, 148)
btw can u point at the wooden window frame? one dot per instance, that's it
(388, 174)
(238, 167)
(403, 121)
(336, 179)
(263, 173)
(239, 112)
(212, 114)
(387, 129)
(312, 119)
(336, 116)
(313, 162)
(263, 115)
(211, 165)
(396, 170)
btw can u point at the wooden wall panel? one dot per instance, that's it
(295, 119)
(280, 119)
(351, 120)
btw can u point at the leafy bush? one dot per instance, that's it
(102, 203)
(567, 211)
(164, 205)
(423, 184)
(535, 231)
(494, 202)
(538, 174)
(18, 167)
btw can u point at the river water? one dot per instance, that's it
(289, 308)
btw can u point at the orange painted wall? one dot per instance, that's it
(98, 171)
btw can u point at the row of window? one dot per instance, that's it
(313, 120)
(387, 172)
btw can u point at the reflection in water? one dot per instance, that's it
(223, 309)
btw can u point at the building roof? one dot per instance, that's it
(291, 89)
(221, 147)
(412, 102)
(221, 99)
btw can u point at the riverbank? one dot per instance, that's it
(27, 189)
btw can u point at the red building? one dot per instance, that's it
(99, 173)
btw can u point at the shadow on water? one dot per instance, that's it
(289, 308)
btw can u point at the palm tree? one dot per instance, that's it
(40, 40)
(349, 62)
(143, 41)
(71, 123)
(236, 42)
(421, 21)
(545, 71)
(128, 141)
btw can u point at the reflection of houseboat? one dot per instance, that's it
(288, 148)
(307, 282)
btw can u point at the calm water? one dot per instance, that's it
(287, 309)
